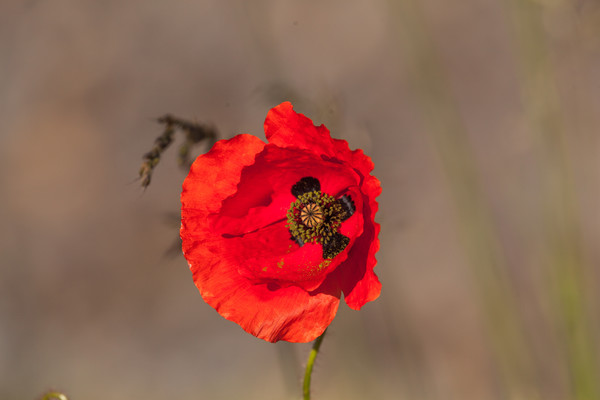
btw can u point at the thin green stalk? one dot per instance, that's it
(309, 366)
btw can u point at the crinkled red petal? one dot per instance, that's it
(264, 192)
(235, 238)
(266, 309)
(357, 279)
(254, 218)
(215, 176)
(286, 128)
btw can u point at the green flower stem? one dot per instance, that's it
(309, 366)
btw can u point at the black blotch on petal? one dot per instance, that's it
(335, 246)
(347, 205)
(306, 185)
(298, 240)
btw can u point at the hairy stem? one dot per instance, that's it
(310, 364)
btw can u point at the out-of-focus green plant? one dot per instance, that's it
(566, 266)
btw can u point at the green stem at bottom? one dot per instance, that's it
(309, 366)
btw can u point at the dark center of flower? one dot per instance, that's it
(315, 217)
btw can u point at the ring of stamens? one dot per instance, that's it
(314, 217)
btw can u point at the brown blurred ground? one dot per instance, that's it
(90, 305)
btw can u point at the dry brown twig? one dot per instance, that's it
(194, 134)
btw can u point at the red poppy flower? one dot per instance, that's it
(274, 233)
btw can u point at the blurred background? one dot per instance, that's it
(481, 117)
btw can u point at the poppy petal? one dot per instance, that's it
(237, 238)
(285, 313)
(215, 175)
(357, 279)
(286, 128)
(265, 310)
